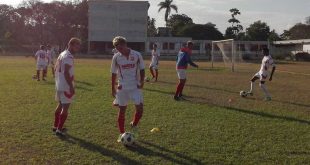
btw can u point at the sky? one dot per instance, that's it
(278, 14)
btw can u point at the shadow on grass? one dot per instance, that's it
(163, 153)
(202, 87)
(97, 148)
(262, 114)
(266, 115)
(296, 104)
(84, 83)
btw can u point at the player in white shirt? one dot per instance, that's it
(64, 81)
(51, 58)
(154, 63)
(128, 67)
(262, 75)
(42, 61)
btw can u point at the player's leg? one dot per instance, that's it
(152, 71)
(182, 87)
(252, 82)
(38, 72)
(156, 75)
(44, 73)
(264, 88)
(57, 116)
(62, 118)
(53, 71)
(122, 98)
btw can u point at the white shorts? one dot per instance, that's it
(181, 73)
(123, 96)
(43, 67)
(64, 97)
(261, 76)
(154, 66)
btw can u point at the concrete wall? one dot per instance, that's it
(110, 18)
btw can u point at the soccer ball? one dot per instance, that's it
(243, 94)
(147, 79)
(127, 139)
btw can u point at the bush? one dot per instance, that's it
(302, 56)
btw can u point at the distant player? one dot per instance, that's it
(262, 75)
(64, 79)
(128, 66)
(154, 63)
(51, 58)
(42, 61)
(183, 59)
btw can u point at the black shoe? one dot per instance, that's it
(59, 133)
(63, 129)
(176, 98)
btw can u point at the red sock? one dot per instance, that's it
(57, 116)
(121, 122)
(178, 89)
(156, 74)
(62, 119)
(137, 117)
(181, 89)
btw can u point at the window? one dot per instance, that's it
(171, 46)
(165, 46)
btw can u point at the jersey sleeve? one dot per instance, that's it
(271, 63)
(37, 54)
(68, 61)
(114, 65)
(141, 62)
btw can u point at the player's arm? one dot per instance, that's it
(68, 78)
(272, 71)
(142, 71)
(113, 81)
(189, 60)
(113, 76)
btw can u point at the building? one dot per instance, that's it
(290, 47)
(110, 18)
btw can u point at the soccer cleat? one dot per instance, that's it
(250, 93)
(38, 79)
(63, 129)
(119, 139)
(176, 98)
(44, 79)
(267, 98)
(134, 130)
(59, 133)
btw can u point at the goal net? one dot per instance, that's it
(225, 51)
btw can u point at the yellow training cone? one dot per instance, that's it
(154, 130)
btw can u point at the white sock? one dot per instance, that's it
(252, 86)
(263, 86)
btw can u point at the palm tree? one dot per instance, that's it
(167, 4)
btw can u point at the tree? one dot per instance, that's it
(299, 31)
(235, 28)
(308, 20)
(151, 28)
(274, 36)
(177, 22)
(168, 6)
(201, 32)
(258, 31)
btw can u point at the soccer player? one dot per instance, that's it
(51, 58)
(64, 81)
(128, 66)
(41, 59)
(154, 63)
(183, 59)
(263, 74)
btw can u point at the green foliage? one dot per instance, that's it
(151, 27)
(167, 6)
(235, 28)
(258, 31)
(177, 22)
(201, 32)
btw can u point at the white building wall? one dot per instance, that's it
(110, 18)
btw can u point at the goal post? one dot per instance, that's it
(224, 50)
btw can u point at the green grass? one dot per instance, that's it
(204, 129)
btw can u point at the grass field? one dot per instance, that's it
(204, 129)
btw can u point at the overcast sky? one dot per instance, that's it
(279, 14)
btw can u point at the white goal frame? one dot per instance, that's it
(232, 53)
